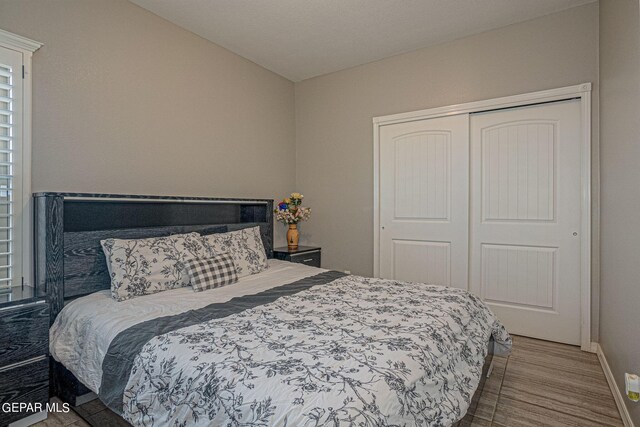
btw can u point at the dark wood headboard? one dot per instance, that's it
(69, 261)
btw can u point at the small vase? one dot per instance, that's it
(293, 236)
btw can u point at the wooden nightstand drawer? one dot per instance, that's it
(26, 382)
(24, 333)
(308, 258)
(308, 255)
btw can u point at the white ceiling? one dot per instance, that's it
(299, 39)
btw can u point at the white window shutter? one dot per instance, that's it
(11, 102)
(16, 219)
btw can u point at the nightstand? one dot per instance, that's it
(24, 360)
(308, 255)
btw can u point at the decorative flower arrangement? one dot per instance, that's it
(289, 210)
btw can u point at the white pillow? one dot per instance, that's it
(145, 266)
(245, 247)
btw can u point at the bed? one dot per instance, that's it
(293, 345)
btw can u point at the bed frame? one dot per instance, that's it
(70, 263)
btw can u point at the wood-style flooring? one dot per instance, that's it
(545, 384)
(539, 384)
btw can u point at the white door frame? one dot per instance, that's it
(581, 92)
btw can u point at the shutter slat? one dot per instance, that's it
(9, 93)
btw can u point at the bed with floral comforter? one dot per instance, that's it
(326, 350)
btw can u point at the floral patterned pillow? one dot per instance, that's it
(245, 247)
(146, 266)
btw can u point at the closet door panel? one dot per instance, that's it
(525, 218)
(424, 201)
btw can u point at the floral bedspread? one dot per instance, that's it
(354, 351)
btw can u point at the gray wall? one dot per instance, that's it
(334, 112)
(620, 157)
(127, 102)
(224, 126)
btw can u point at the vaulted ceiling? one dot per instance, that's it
(299, 39)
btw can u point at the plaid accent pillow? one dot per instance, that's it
(210, 273)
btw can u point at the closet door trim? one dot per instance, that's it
(581, 92)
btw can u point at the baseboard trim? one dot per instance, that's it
(617, 396)
(30, 420)
(86, 398)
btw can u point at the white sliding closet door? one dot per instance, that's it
(526, 216)
(424, 201)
